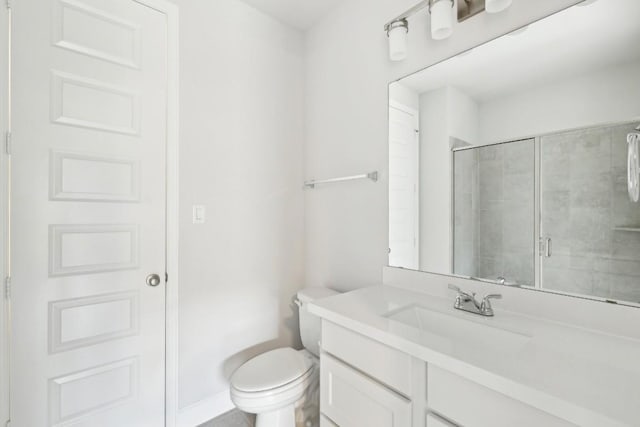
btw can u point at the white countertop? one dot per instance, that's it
(585, 377)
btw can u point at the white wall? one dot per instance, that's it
(241, 156)
(605, 96)
(444, 113)
(347, 73)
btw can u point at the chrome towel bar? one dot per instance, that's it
(373, 176)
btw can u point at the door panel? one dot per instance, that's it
(88, 213)
(403, 188)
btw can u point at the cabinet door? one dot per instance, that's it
(435, 421)
(326, 422)
(472, 405)
(352, 399)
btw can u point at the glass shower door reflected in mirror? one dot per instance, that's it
(493, 212)
(589, 228)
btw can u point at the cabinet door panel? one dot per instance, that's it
(352, 399)
(435, 421)
(473, 405)
(389, 366)
(326, 422)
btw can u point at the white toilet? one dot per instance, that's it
(271, 384)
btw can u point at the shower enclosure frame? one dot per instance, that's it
(538, 239)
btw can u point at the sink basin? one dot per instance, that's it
(456, 332)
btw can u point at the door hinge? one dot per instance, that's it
(8, 139)
(7, 287)
(166, 277)
(9, 4)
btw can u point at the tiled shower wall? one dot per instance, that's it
(585, 210)
(494, 212)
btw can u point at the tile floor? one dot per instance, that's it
(233, 418)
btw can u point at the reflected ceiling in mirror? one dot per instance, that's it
(510, 162)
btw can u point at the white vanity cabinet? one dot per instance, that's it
(367, 383)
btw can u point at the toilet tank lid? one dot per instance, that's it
(311, 294)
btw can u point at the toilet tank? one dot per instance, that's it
(310, 323)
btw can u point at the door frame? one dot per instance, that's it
(5, 104)
(171, 12)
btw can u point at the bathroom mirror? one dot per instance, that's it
(514, 162)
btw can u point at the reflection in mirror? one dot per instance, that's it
(493, 233)
(514, 162)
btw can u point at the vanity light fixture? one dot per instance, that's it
(397, 32)
(441, 17)
(496, 6)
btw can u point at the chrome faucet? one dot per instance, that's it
(468, 302)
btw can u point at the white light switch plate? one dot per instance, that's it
(198, 214)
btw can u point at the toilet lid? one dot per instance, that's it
(270, 370)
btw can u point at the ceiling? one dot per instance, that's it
(599, 35)
(301, 14)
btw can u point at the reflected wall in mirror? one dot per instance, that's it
(510, 162)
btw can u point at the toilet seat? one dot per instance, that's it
(270, 370)
(272, 380)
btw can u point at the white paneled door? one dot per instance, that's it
(403, 187)
(88, 213)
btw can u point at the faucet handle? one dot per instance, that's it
(485, 306)
(461, 292)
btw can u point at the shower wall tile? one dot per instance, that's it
(464, 260)
(583, 200)
(597, 264)
(623, 287)
(590, 231)
(626, 245)
(625, 267)
(591, 191)
(517, 158)
(518, 267)
(490, 230)
(517, 228)
(625, 212)
(490, 268)
(578, 282)
(490, 182)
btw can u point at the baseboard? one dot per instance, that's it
(204, 410)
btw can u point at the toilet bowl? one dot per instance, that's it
(272, 384)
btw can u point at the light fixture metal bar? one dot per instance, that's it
(469, 8)
(466, 9)
(415, 9)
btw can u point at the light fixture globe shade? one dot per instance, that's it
(495, 6)
(398, 43)
(441, 19)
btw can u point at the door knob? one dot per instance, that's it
(153, 280)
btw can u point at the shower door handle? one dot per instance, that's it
(547, 247)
